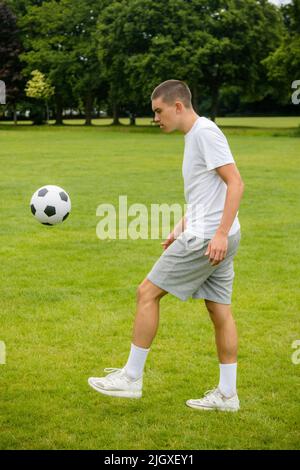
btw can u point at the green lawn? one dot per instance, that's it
(68, 298)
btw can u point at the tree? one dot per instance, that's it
(123, 48)
(242, 33)
(127, 35)
(283, 64)
(44, 34)
(19, 7)
(58, 41)
(211, 45)
(87, 79)
(111, 52)
(10, 49)
(39, 88)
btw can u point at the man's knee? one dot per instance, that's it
(148, 292)
(219, 313)
(216, 307)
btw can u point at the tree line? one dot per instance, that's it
(110, 54)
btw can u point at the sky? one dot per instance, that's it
(280, 2)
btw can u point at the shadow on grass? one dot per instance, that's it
(150, 128)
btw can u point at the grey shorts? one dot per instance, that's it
(184, 271)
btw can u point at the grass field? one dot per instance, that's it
(68, 298)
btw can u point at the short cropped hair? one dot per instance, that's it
(172, 90)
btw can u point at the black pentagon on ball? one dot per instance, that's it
(33, 209)
(50, 210)
(63, 196)
(65, 216)
(42, 192)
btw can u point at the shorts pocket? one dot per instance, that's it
(194, 243)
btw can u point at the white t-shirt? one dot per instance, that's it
(206, 148)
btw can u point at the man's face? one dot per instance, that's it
(165, 115)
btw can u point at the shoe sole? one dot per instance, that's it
(206, 408)
(115, 393)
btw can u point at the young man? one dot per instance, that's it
(198, 255)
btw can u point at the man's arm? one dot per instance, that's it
(235, 188)
(217, 247)
(178, 229)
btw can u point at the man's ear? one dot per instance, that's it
(178, 107)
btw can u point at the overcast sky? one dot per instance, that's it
(280, 2)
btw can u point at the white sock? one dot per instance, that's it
(227, 384)
(136, 362)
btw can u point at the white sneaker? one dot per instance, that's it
(117, 384)
(214, 400)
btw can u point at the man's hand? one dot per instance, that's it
(217, 248)
(168, 241)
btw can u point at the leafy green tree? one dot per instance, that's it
(283, 64)
(44, 37)
(241, 35)
(58, 41)
(211, 45)
(126, 33)
(40, 88)
(20, 6)
(111, 52)
(88, 82)
(10, 49)
(123, 48)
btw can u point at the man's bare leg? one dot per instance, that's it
(227, 345)
(225, 331)
(145, 327)
(147, 314)
(127, 382)
(224, 397)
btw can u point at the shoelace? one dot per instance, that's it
(210, 395)
(210, 391)
(112, 371)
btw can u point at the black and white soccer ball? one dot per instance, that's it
(50, 205)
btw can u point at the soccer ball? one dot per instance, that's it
(50, 205)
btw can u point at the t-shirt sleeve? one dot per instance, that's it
(214, 147)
